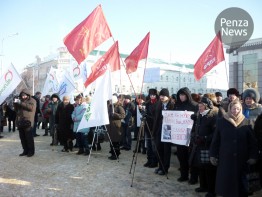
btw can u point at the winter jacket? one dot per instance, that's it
(26, 108)
(114, 127)
(232, 146)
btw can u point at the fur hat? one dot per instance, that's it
(207, 102)
(164, 92)
(252, 93)
(152, 91)
(114, 99)
(128, 97)
(218, 94)
(232, 91)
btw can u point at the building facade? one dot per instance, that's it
(245, 66)
(172, 76)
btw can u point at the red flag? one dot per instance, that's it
(110, 60)
(211, 57)
(139, 53)
(89, 34)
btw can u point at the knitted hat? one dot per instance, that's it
(207, 102)
(164, 92)
(252, 93)
(152, 91)
(174, 96)
(218, 94)
(232, 91)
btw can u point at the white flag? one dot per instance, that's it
(51, 84)
(66, 87)
(8, 82)
(97, 113)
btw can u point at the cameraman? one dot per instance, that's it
(148, 115)
(25, 107)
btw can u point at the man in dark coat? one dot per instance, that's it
(163, 149)
(11, 116)
(65, 123)
(127, 122)
(37, 97)
(25, 108)
(185, 103)
(150, 107)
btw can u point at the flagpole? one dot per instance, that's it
(143, 78)
(127, 74)
(226, 74)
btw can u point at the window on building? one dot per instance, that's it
(161, 77)
(176, 78)
(166, 78)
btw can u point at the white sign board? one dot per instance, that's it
(176, 127)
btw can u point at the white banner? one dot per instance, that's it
(8, 82)
(66, 87)
(176, 127)
(97, 112)
(152, 75)
(51, 84)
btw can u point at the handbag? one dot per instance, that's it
(204, 156)
(253, 178)
(4, 122)
(22, 123)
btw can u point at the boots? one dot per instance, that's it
(70, 145)
(115, 146)
(80, 151)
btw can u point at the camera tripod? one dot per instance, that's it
(95, 136)
(141, 137)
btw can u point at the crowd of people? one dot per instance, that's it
(226, 138)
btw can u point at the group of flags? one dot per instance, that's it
(84, 38)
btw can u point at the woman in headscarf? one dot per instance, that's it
(233, 148)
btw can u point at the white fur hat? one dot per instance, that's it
(114, 99)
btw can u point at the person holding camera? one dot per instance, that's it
(149, 115)
(25, 107)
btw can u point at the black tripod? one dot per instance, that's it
(97, 132)
(141, 137)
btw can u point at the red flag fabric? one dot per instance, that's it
(212, 56)
(139, 53)
(89, 34)
(110, 60)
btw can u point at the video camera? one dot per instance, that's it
(16, 99)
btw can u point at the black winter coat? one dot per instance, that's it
(158, 118)
(233, 146)
(64, 120)
(202, 135)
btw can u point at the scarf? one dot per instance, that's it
(234, 120)
(153, 101)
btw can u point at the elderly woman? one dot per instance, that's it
(202, 135)
(233, 148)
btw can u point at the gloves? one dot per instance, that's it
(251, 161)
(213, 161)
(193, 117)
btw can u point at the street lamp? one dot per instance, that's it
(2, 48)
